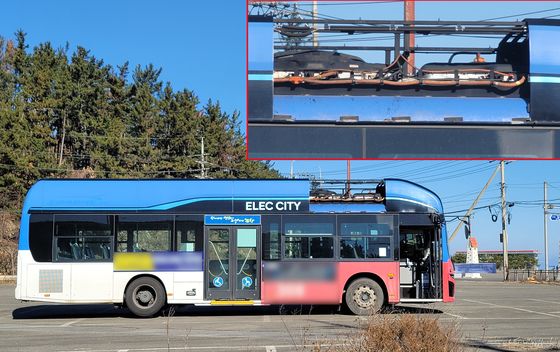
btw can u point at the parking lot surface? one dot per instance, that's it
(490, 315)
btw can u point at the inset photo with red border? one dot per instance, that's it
(402, 80)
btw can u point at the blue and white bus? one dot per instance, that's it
(150, 243)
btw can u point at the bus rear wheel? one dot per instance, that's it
(364, 297)
(145, 296)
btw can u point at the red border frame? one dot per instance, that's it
(247, 2)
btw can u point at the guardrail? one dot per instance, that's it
(537, 275)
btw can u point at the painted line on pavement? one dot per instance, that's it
(542, 300)
(514, 308)
(71, 322)
(455, 315)
(211, 348)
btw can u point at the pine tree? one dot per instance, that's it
(68, 114)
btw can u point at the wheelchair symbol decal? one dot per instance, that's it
(218, 281)
(247, 281)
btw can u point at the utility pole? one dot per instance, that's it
(315, 25)
(348, 178)
(409, 38)
(61, 151)
(504, 230)
(545, 229)
(468, 214)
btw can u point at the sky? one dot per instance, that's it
(201, 46)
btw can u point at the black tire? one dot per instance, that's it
(364, 297)
(145, 296)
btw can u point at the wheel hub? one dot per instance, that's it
(365, 297)
(144, 296)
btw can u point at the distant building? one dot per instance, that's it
(518, 259)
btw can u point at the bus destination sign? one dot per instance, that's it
(272, 206)
(232, 219)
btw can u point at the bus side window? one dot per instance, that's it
(41, 237)
(366, 236)
(309, 237)
(82, 237)
(271, 237)
(144, 233)
(189, 233)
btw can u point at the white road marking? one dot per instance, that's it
(266, 318)
(455, 315)
(211, 348)
(514, 308)
(542, 300)
(71, 322)
(270, 349)
(539, 318)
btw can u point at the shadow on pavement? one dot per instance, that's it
(58, 311)
(413, 310)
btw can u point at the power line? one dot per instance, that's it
(382, 38)
(369, 168)
(343, 3)
(454, 174)
(475, 208)
(522, 14)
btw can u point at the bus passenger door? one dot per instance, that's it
(232, 262)
(420, 263)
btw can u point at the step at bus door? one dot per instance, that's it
(232, 262)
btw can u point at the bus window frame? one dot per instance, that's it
(393, 245)
(283, 238)
(112, 238)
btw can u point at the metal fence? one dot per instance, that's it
(537, 275)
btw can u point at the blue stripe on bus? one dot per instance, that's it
(260, 77)
(544, 79)
(166, 206)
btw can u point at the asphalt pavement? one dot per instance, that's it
(491, 315)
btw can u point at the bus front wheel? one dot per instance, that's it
(364, 297)
(145, 296)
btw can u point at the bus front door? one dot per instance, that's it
(232, 262)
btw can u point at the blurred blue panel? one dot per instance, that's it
(379, 108)
(177, 261)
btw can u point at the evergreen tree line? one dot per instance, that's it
(515, 261)
(66, 113)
